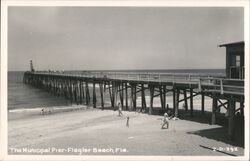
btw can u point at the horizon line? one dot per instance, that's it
(122, 69)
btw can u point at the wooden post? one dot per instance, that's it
(151, 90)
(78, 92)
(83, 96)
(101, 93)
(57, 86)
(185, 99)
(174, 98)
(242, 108)
(87, 93)
(191, 102)
(115, 92)
(80, 88)
(126, 95)
(134, 98)
(143, 99)
(83, 92)
(202, 103)
(177, 98)
(104, 87)
(176, 101)
(215, 104)
(71, 92)
(131, 98)
(160, 93)
(75, 91)
(121, 94)
(231, 118)
(142, 91)
(60, 88)
(66, 90)
(111, 94)
(164, 96)
(94, 95)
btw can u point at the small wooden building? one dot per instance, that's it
(234, 60)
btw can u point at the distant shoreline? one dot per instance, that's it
(138, 70)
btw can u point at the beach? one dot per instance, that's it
(88, 131)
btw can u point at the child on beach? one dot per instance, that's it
(165, 122)
(119, 109)
(42, 111)
(45, 111)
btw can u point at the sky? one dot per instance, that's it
(116, 38)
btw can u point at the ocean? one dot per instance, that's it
(23, 96)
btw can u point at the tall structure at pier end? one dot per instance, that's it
(31, 66)
(235, 60)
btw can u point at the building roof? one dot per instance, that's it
(233, 44)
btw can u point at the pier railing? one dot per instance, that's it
(217, 83)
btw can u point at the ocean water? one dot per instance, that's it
(23, 96)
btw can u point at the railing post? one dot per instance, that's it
(199, 84)
(231, 118)
(173, 78)
(221, 86)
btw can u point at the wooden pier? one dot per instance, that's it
(124, 87)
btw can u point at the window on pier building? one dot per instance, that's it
(237, 61)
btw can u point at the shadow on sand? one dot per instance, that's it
(220, 133)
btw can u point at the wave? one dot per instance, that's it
(52, 109)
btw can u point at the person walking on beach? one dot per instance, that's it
(165, 122)
(127, 124)
(119, 109)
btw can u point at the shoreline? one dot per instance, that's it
(26, 112)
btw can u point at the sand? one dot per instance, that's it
(88, 131)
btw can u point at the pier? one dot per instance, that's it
(124, 87)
